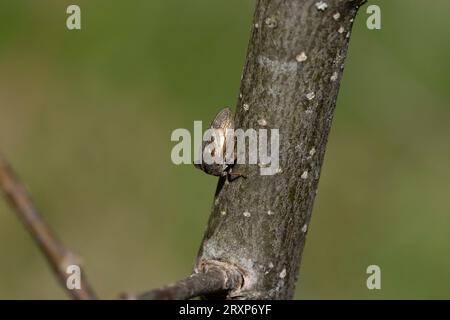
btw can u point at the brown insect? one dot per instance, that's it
(222, 122)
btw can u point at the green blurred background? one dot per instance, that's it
(86, 118)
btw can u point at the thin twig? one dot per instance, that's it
(215, 281)
(57, 255)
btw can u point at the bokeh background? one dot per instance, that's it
(86, 118)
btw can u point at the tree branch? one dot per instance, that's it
(294, 64)
(291, 79)
(57, 255)
(214, 280)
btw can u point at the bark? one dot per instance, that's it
(291, 78)
(215, 280)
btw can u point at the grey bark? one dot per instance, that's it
(215, 280)
(291, 78)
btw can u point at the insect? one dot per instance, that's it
(222, 122)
